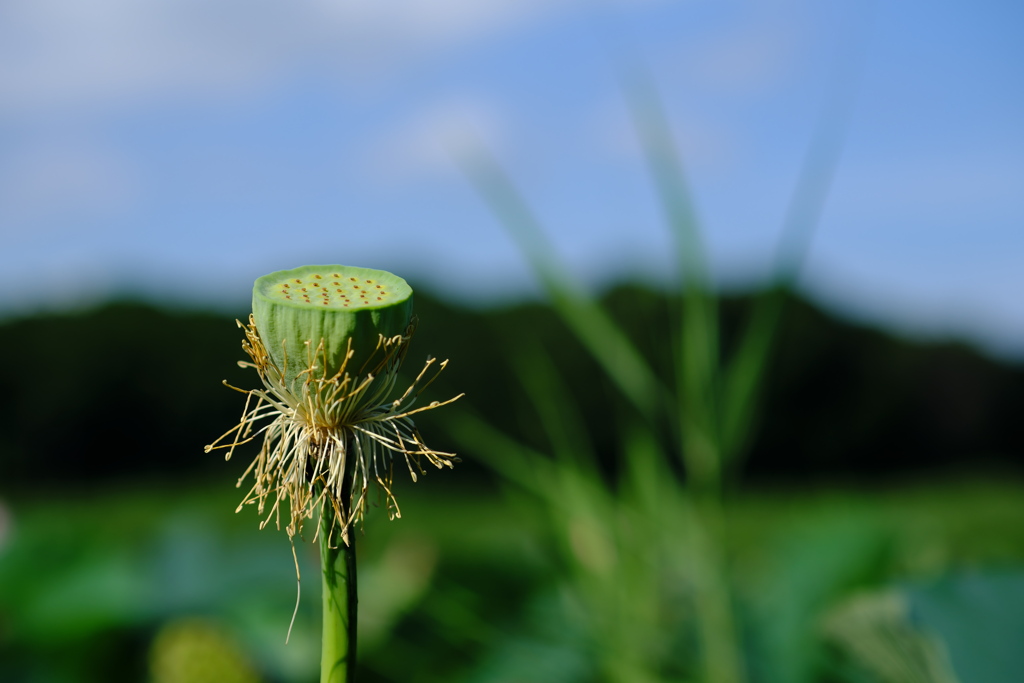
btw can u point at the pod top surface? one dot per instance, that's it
(333, 287)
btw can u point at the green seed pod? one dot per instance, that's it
(327, 342)
(340, 307)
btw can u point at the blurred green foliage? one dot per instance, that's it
(643, 550)
(116, 528)
(462, 588)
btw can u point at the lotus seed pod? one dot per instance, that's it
(295, 310)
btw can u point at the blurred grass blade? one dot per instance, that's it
(697, 361)
(555, 407)
(648, 482)
(877, 631)
(660, 152)
(598, 333)
(821, 159)
(744, 376)
(506, 456)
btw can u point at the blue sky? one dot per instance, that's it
(181, 148)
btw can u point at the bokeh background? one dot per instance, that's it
(155, 159)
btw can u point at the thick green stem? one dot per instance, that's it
(338, 568)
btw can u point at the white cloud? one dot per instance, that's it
(69, 53)
(433, 139)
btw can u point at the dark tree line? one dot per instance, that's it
(132, 390)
